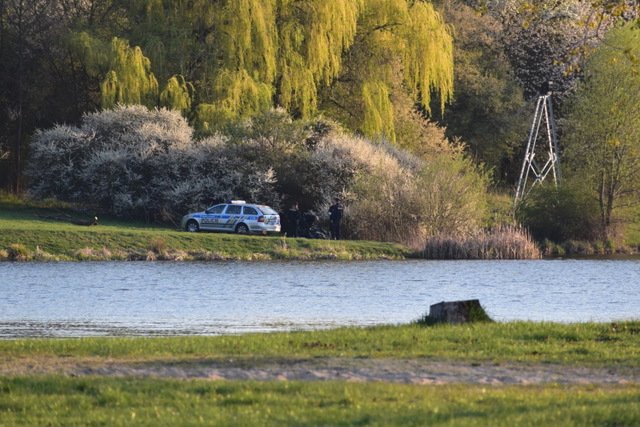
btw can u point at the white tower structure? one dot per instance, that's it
(541, 156)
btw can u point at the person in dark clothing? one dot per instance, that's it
(293, 218)
(308, 229)
(304, 225)
(335, 216)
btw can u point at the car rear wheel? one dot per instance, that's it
(242, 229)
(192, 226)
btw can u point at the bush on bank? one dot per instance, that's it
(145, 164)
(566, 222)
(560, 213)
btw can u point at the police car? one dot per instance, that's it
(236, 217)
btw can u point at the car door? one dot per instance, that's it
(231, 216)
(249, 216)
(212, 218)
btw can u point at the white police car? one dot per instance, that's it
(237, 217)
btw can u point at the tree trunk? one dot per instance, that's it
(458, 312)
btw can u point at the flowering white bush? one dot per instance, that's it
(139, 163)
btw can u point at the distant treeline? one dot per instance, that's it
(379, 67)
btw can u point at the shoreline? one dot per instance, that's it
(32, 234)
(104, 254)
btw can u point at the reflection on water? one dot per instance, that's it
(117, 298)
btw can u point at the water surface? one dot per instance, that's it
(146, 298)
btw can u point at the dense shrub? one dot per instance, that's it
(452, 195)
(399, 197)
(560, 214)
(140, 163)
(294, 150)
(137, 163)
(211, 170)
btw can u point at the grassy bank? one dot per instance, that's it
(35, 400)
(102, 401)
(592, 344)
(45, 232)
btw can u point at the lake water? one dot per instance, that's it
(164, 298)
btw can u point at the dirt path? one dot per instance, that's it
(417, 371)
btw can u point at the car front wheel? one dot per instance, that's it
(242, 229)
(192, 226)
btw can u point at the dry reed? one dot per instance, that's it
(504, 242)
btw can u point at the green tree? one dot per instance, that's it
(488, 110)
(26, 78)
(602, 135)
(402, 54)
(247, 56)
(129, 80)
(177, 94)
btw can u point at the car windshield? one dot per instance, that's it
(267, 210)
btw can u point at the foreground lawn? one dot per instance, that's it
(29, 399)
(43, 232)
(57, 401)
(589, 344)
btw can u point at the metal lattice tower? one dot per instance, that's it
(540, 158)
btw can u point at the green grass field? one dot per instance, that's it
(53, 401)
(586, 344)
(37, 236)
(58, 400)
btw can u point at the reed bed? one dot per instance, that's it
(504, 242)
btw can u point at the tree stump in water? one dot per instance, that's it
(457, 312)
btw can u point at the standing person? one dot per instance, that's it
(293, 218)
(335, 216)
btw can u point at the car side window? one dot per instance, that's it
(216, 210)
(233, 210)
(247, 210)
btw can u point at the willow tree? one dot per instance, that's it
(129, 80)
(177, 94)
(402, 53)
(380, 56)
(245, 56)
(239, 95)
(290, 47)
(428, 55)
(378, 111)
(242, 60)
(172, 34)
(363, 60)
(313, 36)
(125, 75)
